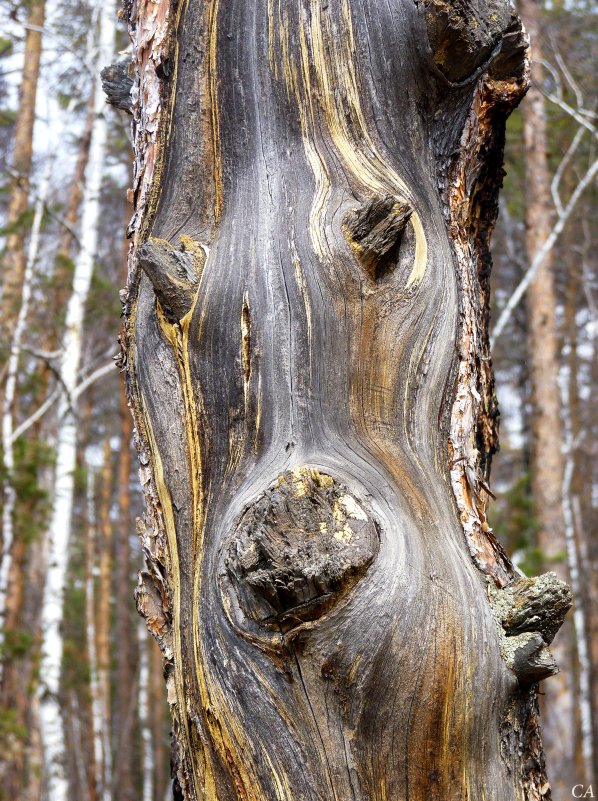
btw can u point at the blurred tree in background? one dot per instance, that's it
(113, 736)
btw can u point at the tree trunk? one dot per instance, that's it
(159, 725)
(103, 621)
(11, 579)
(547, 458)
(547, 436)
(147, 744)
(123, 769)
(94, 767)
(124, 772)
(578, 560)
(306, 352)
(14, 259)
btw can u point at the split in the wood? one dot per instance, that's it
(117, 85)
(374, 232)
(246, 339)
(174, 275)
(298, 548)
(531, 611)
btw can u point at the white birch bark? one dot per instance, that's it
(10, 394)
(147, 792)
(55, 784)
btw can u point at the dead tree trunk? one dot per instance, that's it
(306, 350)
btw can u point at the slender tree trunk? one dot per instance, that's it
(124, 768)
(14, 259)
(17, 665)
(62, 277)
(577, 555)
(547, 462)
(161, 778)
(306, 351)
(9, 577)
(103, 620)
(95, 761)
(547, 458)
(56, 785)
(147, 742)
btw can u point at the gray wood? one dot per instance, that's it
(314, 397)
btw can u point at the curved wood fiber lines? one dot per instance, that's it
(296, 346)
(190, 194)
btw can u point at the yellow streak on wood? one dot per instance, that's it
(332, 79)
(258, 415)
(212, 77)
(227, 735)
(175, 574)
(281, 783)
(197, 250)
(178, 337)
(354, 668)
(272, 39)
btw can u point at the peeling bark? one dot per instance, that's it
(314, 403)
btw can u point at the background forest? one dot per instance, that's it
(71, 641)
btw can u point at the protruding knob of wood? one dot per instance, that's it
(299, 548)
(117, 85)
(463, 35)
(374, 232)
(529, 658)
(173, 274)
(537, 604)
(531, 611)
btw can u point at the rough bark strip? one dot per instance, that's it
(474, 178)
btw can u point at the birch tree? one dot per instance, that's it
(52, 731)
(306, 350)
(14, 271)
(10, 394)
(147, 774)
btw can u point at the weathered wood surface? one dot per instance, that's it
(306, 353)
